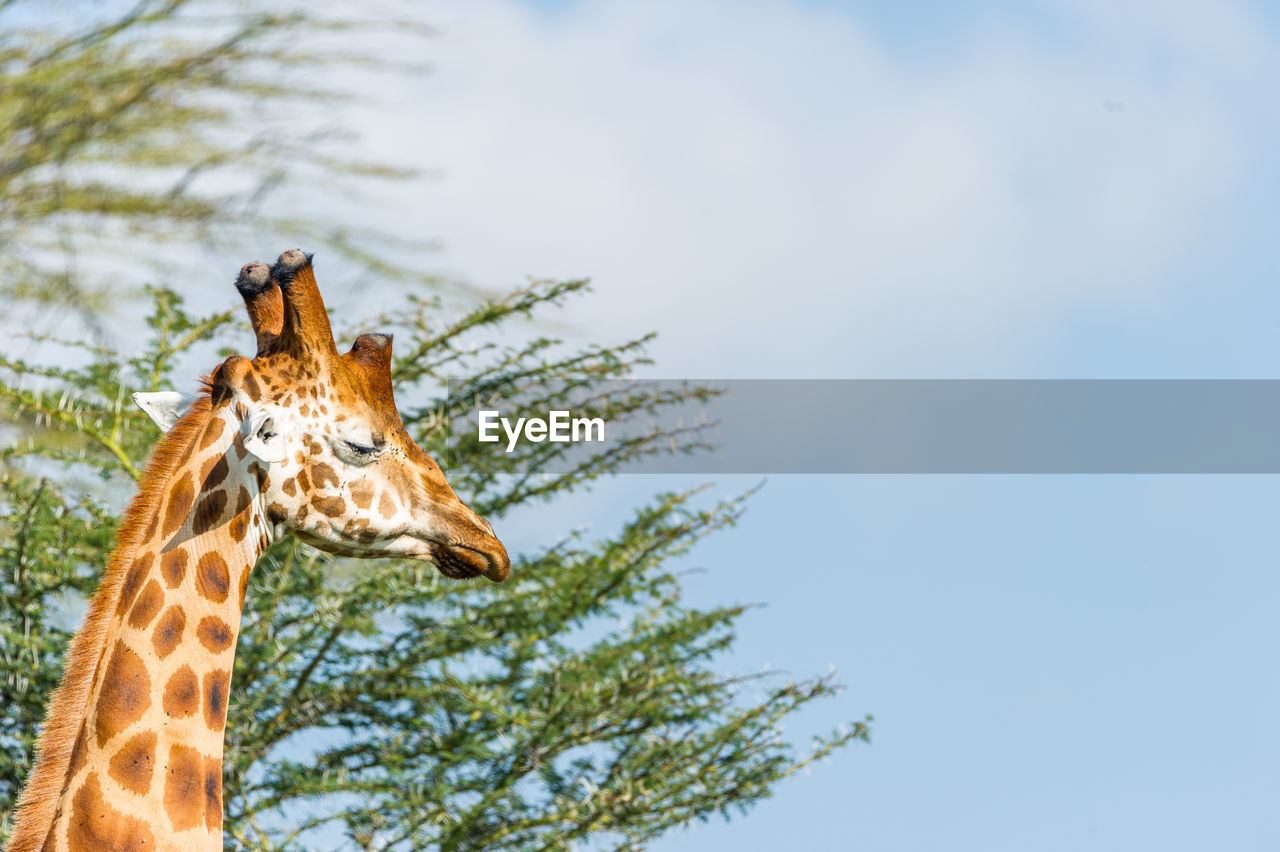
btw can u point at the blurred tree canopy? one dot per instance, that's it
(132, 133)
(374, 706)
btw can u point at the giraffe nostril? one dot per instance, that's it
(484, 522)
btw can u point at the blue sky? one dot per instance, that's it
(852, 190)
(1054, 663)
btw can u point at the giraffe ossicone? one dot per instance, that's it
(298, 439)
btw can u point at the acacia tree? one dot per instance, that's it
(374, 707)
(127, 131)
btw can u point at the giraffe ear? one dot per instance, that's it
(263, 438)
(164, 407)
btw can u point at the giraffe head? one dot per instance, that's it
(334, 462)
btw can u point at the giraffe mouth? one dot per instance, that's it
(460, 562)
(454, 560)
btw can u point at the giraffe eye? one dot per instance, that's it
(357, 452)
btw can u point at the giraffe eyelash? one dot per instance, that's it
(357, 452)
(362, 449)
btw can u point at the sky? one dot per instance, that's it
(932, 190)
(818, 191)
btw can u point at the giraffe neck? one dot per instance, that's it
(145, 772)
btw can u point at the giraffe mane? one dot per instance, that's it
(39, 800)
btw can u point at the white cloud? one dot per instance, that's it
(781, 195)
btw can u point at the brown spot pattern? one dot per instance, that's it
(212, 793)
(216, 683)
(168, 632)
(331, 506)
(212, 432)
(387, 506)
(180, 497)
(213, 581)
(173, 565)
(237, 527)
(147, 605)
(95, 826)
(289, 487)
(184, 788)
(304, 482)
(214, 634)
(181, 693)
(78, 753)
(209, 512)
(362, 493)
(131, 766)
(126, 693)
(401, 485)
(216, 471)
(133, 581)
(250, 385)
(323, 474)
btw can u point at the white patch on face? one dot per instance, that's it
(329, 458)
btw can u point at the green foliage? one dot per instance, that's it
(377, 706)
(51, 547)
(127, 129)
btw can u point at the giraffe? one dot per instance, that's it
(300, 439)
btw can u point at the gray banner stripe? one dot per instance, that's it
(891, 426)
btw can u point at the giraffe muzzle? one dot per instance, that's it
(463, 562)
